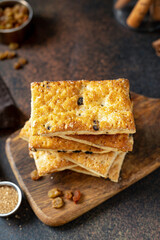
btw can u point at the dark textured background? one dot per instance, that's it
(75, 40)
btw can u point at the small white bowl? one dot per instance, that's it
(6, 183)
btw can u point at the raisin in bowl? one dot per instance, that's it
(15, 20)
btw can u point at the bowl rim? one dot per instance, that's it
(30, 9)
(7, 183)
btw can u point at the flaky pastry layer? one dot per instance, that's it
(49, 162)
(117, 142)
(114, 171)
(78, 143)
(96, 163)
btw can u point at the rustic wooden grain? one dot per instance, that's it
(143, 160)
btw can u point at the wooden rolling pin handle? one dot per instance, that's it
(155, 10)
(138, 13)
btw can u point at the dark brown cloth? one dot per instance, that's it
(9, 114)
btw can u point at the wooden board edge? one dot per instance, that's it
(45, 219)
(50, 221)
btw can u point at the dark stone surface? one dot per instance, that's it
(75, 40)
(9, 113)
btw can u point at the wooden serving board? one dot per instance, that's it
(143, 160)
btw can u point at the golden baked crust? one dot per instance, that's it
(60, 145)
(115, 142)
(55, 143)
(25, 131)
(81, 107)
(119, 142)
(96, 163)
(49, 162)
(115, 169)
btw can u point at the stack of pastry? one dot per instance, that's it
(84, 126)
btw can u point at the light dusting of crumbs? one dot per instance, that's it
(17, 216)
(8, 199)
(20, 227)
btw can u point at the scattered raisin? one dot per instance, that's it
(76, 196)
(3, 55)
(48, 127)
(57, 202)
(33, 149)
(34, 175)
(68, 195)
(22, 61)
(76, 151)
(17, 65)
(62, 151)
(11, 55)
(88, 152)
(55, 192)
(80, 101)
(13, 46)
(95, 127)
(96, 121)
